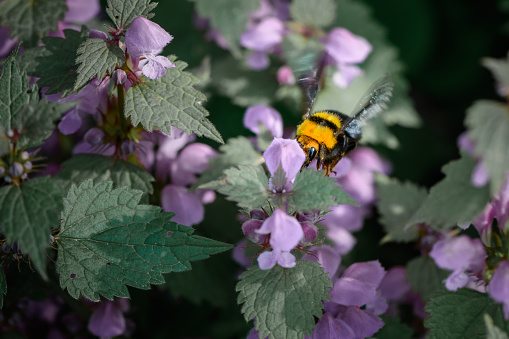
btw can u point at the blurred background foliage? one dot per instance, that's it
(440, 43)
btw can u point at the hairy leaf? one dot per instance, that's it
(492, 331)
(394, 328)
(282, 301)
(499, 68)
(56, 67)
(314, 191)
(460, 314)
(229, 17)
(30, 20)
(453, 200)
(13, 91)
(397, 203)
(27, 214)
(97, 58)
(36, 121)
(236, 151)
(245, 87)
(247, 185)
(425, 276)
(123, 12)
(488, 127)
(100, 168)
(108, 242)
(317, 13)
(169, 101)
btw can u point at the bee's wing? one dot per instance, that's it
(309, 71)
(374, 101)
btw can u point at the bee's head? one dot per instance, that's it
(310, 147)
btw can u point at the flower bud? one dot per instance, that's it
(94, 136)
(257, 214)
(250, 227)
(310, 232)
(16, 170)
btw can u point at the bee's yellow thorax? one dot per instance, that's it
(322, 134)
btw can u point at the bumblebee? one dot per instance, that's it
(329, 135)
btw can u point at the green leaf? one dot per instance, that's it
(30, 20)
(36, 121)
(229, 17)
(499, 68)
(488, 127)
(460, 314)
(57, 67)
(122, 12)
(101, 168)
(108, 242)
(425, 276)
(453, 200)
(97, 58)
(13, 90)
(283, 301)
(394, 328)
(28, 213)
(27, 59)
(245, 87)
(3, 288)
(169, 101)
(236, 151)
(245, 184)
(278, 180)
(317, 13)
(314, 191)
(492, 331)
(397, 203)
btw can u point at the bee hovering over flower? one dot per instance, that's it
(329, 135)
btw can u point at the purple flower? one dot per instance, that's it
(146, 39)
(250, 228)
(263, 36)
(462, 255)
(357, 287)
(288, 154)
(394, 285)
(266, 116)
(285, 76)
(94, 136)
(258, 60)
(480, 175)
(108, 320)
(6, 44)
(327, 258)
(285, 234)
(499, 285)
(81, 11)
(239, 254)
(346, 49)
(70, 122)
(186, 205)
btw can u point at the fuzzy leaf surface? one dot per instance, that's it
(236, 151)
(30, 20)
(460, 315)
(492, 331)
(107, 242)
(97, 58)
(425, 276)
(454, 200)
(123, 12)
(488, 127)
(229, 17)
(397, 203)
(282, 301)
(13, 91)
(247, 185)
(169, 101)
(100, 168)
(27, 214)
(318, 13)
(56, 67)
(245, 87)
(35, 120)
(314, 191)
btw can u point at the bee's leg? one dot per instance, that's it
(321, 156)
(333, 164)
